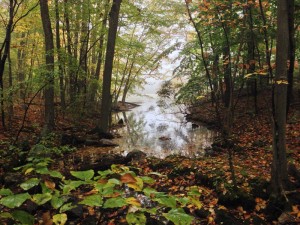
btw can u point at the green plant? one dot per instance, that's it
(118, 187)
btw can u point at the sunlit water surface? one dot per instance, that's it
(159, 128)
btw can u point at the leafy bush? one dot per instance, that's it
(118, 187)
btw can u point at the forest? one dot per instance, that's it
(77, 148)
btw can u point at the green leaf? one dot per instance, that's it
(5, 215)
(150, 191)
(42, 170)
(93, 200)
(103, 174)
(148, 180)
(23, 217)
(41, 199)
(194, 191)
(167, 201)
(178, 217)
(137, 218)
(114, 203)
(32, 182)
(13, 201)
(66, 207)
(71, 185)
(55, 174)
(57, 201)
(5, 192)
(60, 219)
(183, 201)
(83, 175)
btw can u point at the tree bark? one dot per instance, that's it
(49, 47)
(109, 58)
(6, 49)
(279, 173)
(292, 49)
(59, 58)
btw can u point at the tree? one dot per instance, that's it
(49, 71)
(279, 165)
(108, 66)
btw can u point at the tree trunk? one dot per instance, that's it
(279, 173)
(109, 58)
(6, 49)
(59, 58)
(292, 49)
(49, 47)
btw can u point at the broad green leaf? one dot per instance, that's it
(66, 207)
(137, 218)
(115, 203)
(41, 199)
(32, 182)
(57, 201)
(42, 170)
(60, 219)
(183, 201)
(13, 201)
(45, 189)
(5, 192)
(55, 174)
(71, 185)
(83, 175)
(23, 217)
(194, 191)
(167, 201)
(148, 180)
(103, 174)
(152, 192)
(93, 200)
(5, 215)
(178, 217)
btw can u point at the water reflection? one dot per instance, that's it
(159, 128)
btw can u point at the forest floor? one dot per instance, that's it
(222, 203)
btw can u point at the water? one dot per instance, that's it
(159, 128)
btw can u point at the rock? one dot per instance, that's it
(101, 133)
(70, 139)
(135, 155)
(107, 143)
(105, 161)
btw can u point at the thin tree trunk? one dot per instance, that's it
(109, 58)
(279, 173)
(49, 48)
(59, 58)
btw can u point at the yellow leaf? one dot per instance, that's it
(249, 75)
(268, 13)
(29, 170)
(282, 82)
(133, 201)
